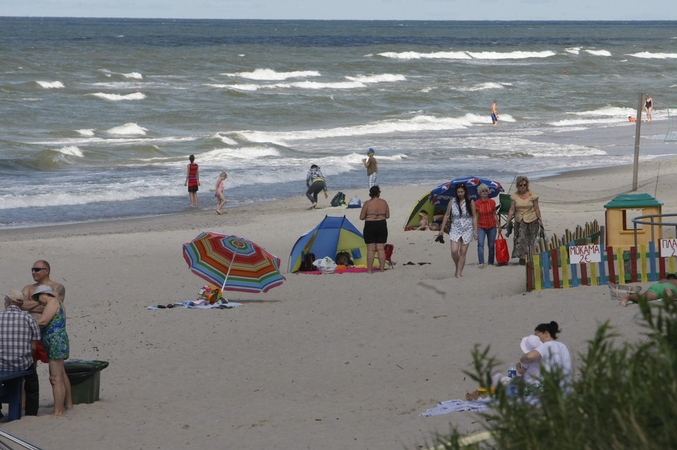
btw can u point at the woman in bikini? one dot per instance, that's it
(374, 212)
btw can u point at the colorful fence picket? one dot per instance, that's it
(553, 269)
(590, 232)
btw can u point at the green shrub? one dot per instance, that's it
(624, 398)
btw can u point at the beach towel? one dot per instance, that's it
(478, 405)
(196, 304)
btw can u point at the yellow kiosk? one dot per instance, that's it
(620, 211)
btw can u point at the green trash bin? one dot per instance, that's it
(85, 378)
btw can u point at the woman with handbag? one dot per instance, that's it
(461, 211)
(528, 220)
(487, 224)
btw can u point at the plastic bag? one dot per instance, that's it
(325, 265)
(501, 247)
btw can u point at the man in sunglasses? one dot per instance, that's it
(40, 272)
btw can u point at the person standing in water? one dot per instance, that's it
(192, 180)
(220, 198)
(494, 112)
(648, 107)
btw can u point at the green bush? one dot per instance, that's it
(624, 398)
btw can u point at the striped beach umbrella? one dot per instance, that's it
(233, 262)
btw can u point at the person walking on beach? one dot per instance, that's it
(487, 224)
(192, 180)
(315, 183)
(494, 112)
(528, 220)
(372, 167)
(40, 271)
(463, 215)
(220, 198)
(648, 107)
(375, 213)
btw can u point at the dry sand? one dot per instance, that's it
(322, 362)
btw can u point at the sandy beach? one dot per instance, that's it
(322, 362)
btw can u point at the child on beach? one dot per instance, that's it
(219, 192)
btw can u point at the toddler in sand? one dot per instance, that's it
(219, 192)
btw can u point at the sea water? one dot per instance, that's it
(99, 116)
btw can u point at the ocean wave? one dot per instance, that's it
(51, 84)
(511, 55)
(481, 87)
(128, 129)
(420, 123)
(118, 97)
(579, 122)
(71, 150)
(225, 139)
(573, 50)
(86, 131)
(135, 75)
(418, 55)
(612, 111)
(246, 153)
(649, 55)
(386, 77)
(598, 52)
(272, 75)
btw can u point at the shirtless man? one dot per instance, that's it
(40, 271)
(494, 112)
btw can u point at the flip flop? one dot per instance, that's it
(409, 264)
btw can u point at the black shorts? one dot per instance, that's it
(375, 232)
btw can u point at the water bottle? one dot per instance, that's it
(512, 386)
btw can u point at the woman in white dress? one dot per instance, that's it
(461, 212)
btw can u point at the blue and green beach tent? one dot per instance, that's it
(332, 235)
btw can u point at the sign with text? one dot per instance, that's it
(584, 254)
(668, 247)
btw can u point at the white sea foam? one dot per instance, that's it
(649, 55)
(511, 55)
(386, 77)
(573, 50)
(51, 84)
(128, 129)
(225, 139)
(480, 87)
(418, 55)
(118, 97)
(71, 150)
(86, 131)
(598, 52)
(272, 75)
(415, 124)
(612, 111)
(135, 75)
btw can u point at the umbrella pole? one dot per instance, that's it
(230, 266)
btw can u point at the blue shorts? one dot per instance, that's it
(494, 119)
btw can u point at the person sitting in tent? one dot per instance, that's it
(438, 217)
(423, 224)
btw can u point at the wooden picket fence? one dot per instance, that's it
(552, 268)
(591, 232)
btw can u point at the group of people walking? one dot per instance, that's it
(478, 220)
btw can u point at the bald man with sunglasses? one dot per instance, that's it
(40, 272)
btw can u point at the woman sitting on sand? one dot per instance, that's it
(665, 287)
(551, 354)
(423, 222)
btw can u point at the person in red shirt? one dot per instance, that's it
(487, 224)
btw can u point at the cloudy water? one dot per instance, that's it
(99, 116)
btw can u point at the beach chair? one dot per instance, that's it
(389, 249)
(503, 209)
